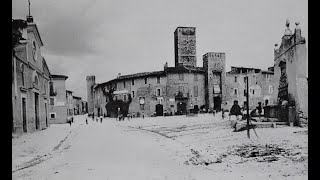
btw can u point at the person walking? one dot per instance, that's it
(235, 111)
(86, 121)
(100, 119)
(92, 116)
(259, 108)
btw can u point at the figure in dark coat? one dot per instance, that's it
(259, 108)
(235, 109)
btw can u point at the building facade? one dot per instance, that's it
(183, 88)
(261, 87)
(30, 80)
(70, 105)
(77, 104)
(290, 71)
(58, 100)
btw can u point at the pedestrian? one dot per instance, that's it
(235, 111)
(259, 108)
(100, 119)
(92, 116)
(222, 113)
(69, 121)
(86, 121)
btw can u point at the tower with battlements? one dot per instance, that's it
(185, 46)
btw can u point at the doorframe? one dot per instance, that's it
(24, 95)
(35, 119)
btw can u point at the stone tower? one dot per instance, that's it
(214, 64)
(91, 80)
(185, 46)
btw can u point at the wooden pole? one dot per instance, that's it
(248, 116)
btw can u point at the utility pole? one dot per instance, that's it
(248, 116)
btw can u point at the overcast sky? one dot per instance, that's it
(107, 37)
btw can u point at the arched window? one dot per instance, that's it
(22, 73)
(35, 79)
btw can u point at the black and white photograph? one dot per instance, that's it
(159, 90)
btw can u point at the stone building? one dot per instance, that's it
(77, 105)
(174, 90)
(30, 79)
(261, 87)
(58, 99)
(70, 106)
(84, 107)
(290, 71)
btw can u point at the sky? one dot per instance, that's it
(107, 37)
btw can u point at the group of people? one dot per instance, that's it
(236, 110)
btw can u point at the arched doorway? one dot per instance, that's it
(196, 109)
(181, 108)
(217, 103)
(159, 110)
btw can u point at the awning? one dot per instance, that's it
(121, 92)
(216, 88)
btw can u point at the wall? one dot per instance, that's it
(60, 104)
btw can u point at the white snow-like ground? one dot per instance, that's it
(178, 147)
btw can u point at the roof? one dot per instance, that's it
(179, 69)
(182, 69)
(69, 91)
(77, 97)
(268, 72)
(37, 31)
(244, 67)
(58, 76)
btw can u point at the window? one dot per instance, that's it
(158, 92)
(124, 84)
(158, 80)
(235, 91)
(132, 94)
(181, 78)
(235, 79)
(52, 115)
(244, 92)
(244, 79)
(116, 98)
(195, 91)
(270, 89)
(145, 80)
(124, 97)
(22, 74)
(51, 101)
(253, 91)
(195, 77)
(132, 81)
(181, 89)
(36, 80)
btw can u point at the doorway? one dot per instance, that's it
(181, 108)
(45, 107)
(159, 110)
(24, 115)
(217, 103)
(36, 109)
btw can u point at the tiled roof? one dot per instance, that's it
(58, 76)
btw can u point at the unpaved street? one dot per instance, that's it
(202, 147)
